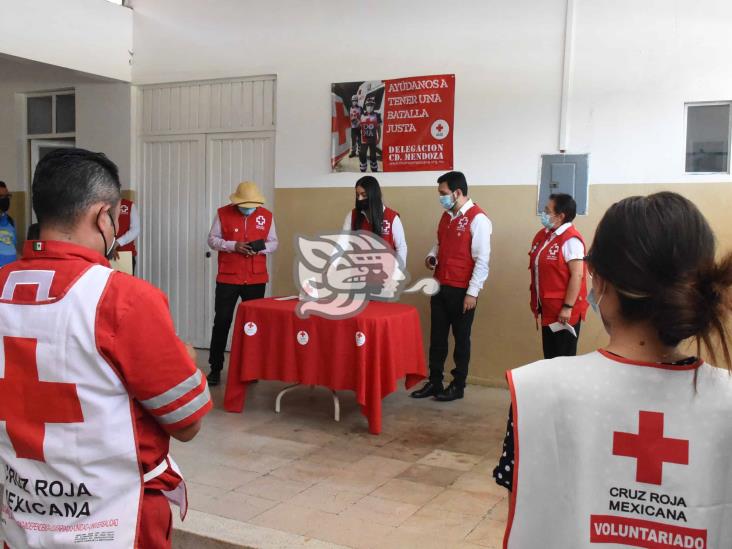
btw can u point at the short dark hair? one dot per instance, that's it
(564, 204)
(68, 181)
(455, 181)
(658, 251)
(3, 185)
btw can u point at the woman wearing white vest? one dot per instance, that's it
(630, 445)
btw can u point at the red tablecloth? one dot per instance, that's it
(367, 353)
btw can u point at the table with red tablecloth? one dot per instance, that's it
(367, 353)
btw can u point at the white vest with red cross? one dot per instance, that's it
(455, 261)
(125, 217)
(613, 453)
(71, 475)
(236, 268)
(386, 224)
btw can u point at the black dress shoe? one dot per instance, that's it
(429, 389)
(214, 378)
(453, 392)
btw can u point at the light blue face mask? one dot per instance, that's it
(447, 201)
(246, 211)
(594, 301)
(546, 220)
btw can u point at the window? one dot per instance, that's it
(51, 114)
(707, 137)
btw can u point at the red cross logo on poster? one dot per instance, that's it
(28, 403)
(650, 448)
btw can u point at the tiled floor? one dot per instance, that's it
(424, 482)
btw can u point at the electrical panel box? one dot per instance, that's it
(564, 173)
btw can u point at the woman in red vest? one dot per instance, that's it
(370, 212)
(558, 289)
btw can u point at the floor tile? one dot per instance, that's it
(407, 491)
(427, 474)
(326, 498)
(450, 460)
(466, 503)
(270, 487)
(381, 511)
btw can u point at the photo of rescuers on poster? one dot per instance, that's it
(395, 125)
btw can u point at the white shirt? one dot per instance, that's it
(397, 231)
(480, 247)
(216, 242)
(572, 249)
(134, 230)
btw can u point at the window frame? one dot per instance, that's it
(729, 133)
(53, 134)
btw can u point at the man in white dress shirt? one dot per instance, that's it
(460, 261)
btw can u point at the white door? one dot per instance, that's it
(230, 159)
(174, 228)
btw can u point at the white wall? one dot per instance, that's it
(102, 115)
(86, 35)
(636, 64)
(103, 123)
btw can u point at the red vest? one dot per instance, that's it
(386, 224)
(454, 256)
(125, 214)
(236, 268)
(554, 277)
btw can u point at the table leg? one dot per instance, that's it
(278, 400)
(337, 407)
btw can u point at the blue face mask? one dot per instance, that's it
(246, 211)
(447, 201)
(546, 220)
(594, 301)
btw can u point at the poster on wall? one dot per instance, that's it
(398, 125)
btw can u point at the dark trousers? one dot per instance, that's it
(227, 296)
(355, 140)
(560, 343)
(370, 150)
(446, 311)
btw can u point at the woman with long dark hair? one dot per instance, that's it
(630, 445)
(370, 214)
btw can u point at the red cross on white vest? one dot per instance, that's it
(650, 448)
(28, 403)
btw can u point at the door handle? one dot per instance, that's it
(208, 254)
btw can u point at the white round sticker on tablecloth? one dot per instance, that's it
(360, 339)
(250, 328)
(303, 337)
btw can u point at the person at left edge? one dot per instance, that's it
(558, 272)
(242, 267)
(8, 236)
(87, 404)
(129, 230)
(460, 261)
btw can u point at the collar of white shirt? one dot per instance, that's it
(468, 204)
(560, 230)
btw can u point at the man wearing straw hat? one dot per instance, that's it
(243, 233)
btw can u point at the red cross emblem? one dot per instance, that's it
(28, 403)
(440, 127)
(650, 448)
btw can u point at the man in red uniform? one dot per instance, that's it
(460, 261)
(243, 233)
(129, 230)
(88, 369)
(370, 135)
(355, 116)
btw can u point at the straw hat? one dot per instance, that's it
(247, 194)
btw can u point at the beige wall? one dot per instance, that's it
(504, 333)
